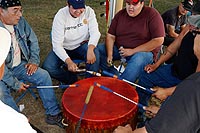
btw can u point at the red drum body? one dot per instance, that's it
(105, 110)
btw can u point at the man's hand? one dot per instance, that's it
(109, 61)
(91, 58)
(152, 110)
(124, 52)
(71, 65)
(31, 68)
(160, 93)
(150, 68)
(121, 129)
(23, 87)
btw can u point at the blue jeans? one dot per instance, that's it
(135, 63)
(39, 78)
(161, 77)
(53, 64)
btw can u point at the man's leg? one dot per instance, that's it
(6, 97)
(42, 78)
(57, 69)
(81, 53)
(103, 59)
(135, 65)
(161, 77)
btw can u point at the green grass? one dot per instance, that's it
(40, 14)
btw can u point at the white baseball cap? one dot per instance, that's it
(5, 42)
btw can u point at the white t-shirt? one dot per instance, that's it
(13, 122)
(68, 32)
(17, 51)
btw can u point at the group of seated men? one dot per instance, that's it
(136, 33)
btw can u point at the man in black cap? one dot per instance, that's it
(22, 62)
(175, 20)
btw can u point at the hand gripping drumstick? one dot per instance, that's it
(56, 86)
(115, 76)
(109, 90)
(85, 106)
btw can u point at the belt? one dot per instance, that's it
(83, 42)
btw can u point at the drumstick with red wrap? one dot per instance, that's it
(109, 90)
(56, 86)
(115, 76)
(84, 108)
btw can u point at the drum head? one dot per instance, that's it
(105, 109)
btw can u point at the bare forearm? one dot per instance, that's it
(164, 57)
(150, 45)
(172, 48)
(173, 34)
(198, 67)
(197, 51)
(170, 90)
(110, 39)
(91, 47)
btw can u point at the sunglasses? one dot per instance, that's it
(132, 2)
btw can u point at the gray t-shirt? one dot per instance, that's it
(171, 17)
(181, 112)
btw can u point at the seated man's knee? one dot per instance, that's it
(50, 62)
(142, 58)
(44, 74)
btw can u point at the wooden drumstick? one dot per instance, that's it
(115, 76)
(56, 86)
(90, 72)
(80, 70)
(109, 90)
(85, 106)
(94, 73)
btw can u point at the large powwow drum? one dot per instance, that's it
(105, 110)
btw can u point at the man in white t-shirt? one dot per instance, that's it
(75, 35)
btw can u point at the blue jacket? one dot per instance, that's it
(28, 44)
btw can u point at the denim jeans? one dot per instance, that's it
(39, 78)
(54, 65)
(135, 63)
(161, 77)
